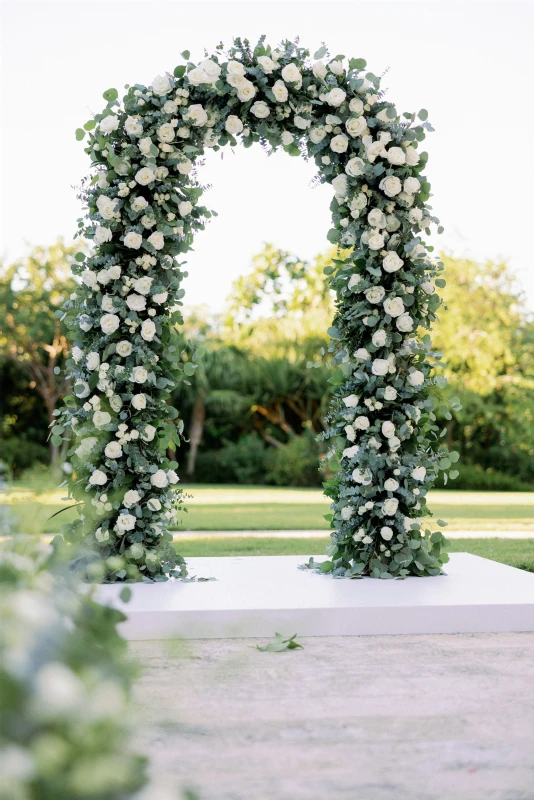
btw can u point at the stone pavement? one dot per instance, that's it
(429, 717)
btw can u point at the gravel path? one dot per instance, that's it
(347, 718)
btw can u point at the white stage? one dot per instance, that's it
(256, 596)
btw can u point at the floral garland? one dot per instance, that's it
(143, 211)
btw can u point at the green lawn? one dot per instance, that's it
(515, 552)
(237, 508)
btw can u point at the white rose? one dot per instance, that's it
(351, 401)
(101, 418)
(159, 479)
(357, 204)
(133, 240)
(139, 401)
(391, 485)
(115, 402)
(291, 74)
(339, 143)
(416, 378)
(131, 498)
(160, 298)
(356, 105)
(350, 433)
(390, 506)
(144, 176)
(391, 185)
(136, 302)
(166, 132)
(380, 366)
(340, 185)
(393, 223)
(374, 294)
(154, 504)
(428, 287)
(185, 208)
(319, 70)
(235, 68)
(405, 199)
(376, 218)
(98, 478)
(386, 533)
(106, 206)
(260, 109)
(336, 97)
(172, 476)
(363, 476)
(124, 348)
(197, 76)
(404, 323)
(301, 122)
(280, 92)
(379, 338)
(102, 234)
(374, 150)
(418, 474)
(142, 285)
(392, 262)
(336, 67)
(350, 452)
(211, 68)
(184, 167)
(76, 353)
(109, 124)
(157, 240)
(355, 167)
(317, 134)
(394, 306)
(161, 84)
(347, 512)
(396, 156)
(394, 443)
(197, 115)
(411, 185)
(388, 429)
(362, 354)
(113, 450)
(125, 522)
(133, 127)
(93, 361)
(170, 107)
(139, 375)
(233, 124)
(246, 91)
(267, 64)
(287, 138)
(109, 323)
(148, 330)
(354, 281)
(139, 203)
(144, 145)
(412, 156)
(390, 393)
(375, 241)
(361, 423)
(148, 433)
(356, 126)
(85, 322)
(81, 389)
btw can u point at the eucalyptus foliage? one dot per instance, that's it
(143, 209)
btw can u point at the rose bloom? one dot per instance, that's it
(139, 203)
(93, 361)
(109, 323)
(340, 185)
(374, 150)
(260, 109)
(267, 64)
(416, 378)
(160, 297)
(148, 433)
(124, 348)
(404, 323)
(362, 354)
(107, 304)
(102, 234)
(350, 452)
(197, 115)
(157, 240)
(154, 504)
(354, 281)
(412, 156)
(113, 450)
(339, 143)
(380, 367)
(357, 204)
(428, 287)
(133, 240)
(390, 393)
(185, 208)
(159, 479)
(319, 69)
(233, 124)
(139, 375)
(76, 353)
(390, 506)
(109, 124)
(386, 533)
(394, 306)
(361, 423)
(347, 512)
(375, 241)
(394, 443)
(139, 401)
(354, 167)
(101, 418)
(336, 67)
(280, 92)
(317, 134)
(235, 68)
(379, 338)
(356, 126)
(98, 478)
(351, 401)
(125, 522)
(161, 85)
(130, 498)
(393, 223)
(148, 330)
(374, 294)
(391, 485)
(362, 476)
(411, 185)
(392, 262)
(184, 167)
(291, 74)
(144, 176)
(287, 138)
(336, 97)
(391, 185)
(388, 429)
(396, 156)
(356, 105)
(376, 218)
(115, 402)
(142, 285)
(246, 91)
(144, 145)
(166, 132)
(114, 272)
(136, 302)
(106, 206)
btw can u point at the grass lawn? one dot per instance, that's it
(228, 507)
(515, 552)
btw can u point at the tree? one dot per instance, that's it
(32, 289)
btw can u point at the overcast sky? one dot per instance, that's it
(468, 63)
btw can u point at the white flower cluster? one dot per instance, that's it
(144, 211)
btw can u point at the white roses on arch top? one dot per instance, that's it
(144, 209)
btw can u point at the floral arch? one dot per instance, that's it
(143, 209)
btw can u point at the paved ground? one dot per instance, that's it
(448, 717)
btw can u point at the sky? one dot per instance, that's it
(468, 63)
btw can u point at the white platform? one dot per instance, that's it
(256, 596)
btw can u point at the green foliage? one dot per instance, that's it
(278, 644)
(296, 463)
(244, 461)
(21, 454)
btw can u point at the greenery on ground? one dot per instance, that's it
(515, 552)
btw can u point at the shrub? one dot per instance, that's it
(295, 464)
(475, 478)
(244, 461)
(20, 454)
